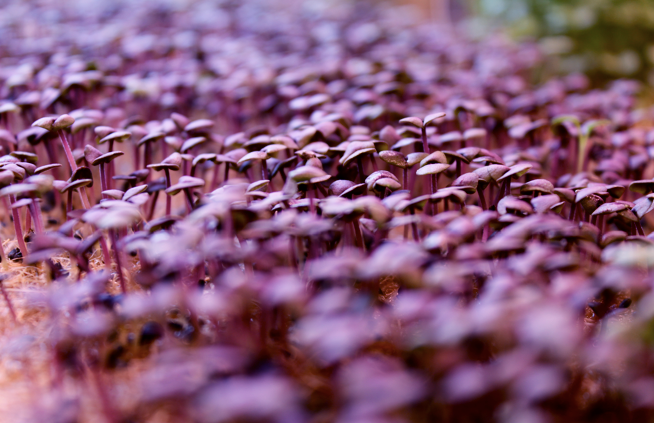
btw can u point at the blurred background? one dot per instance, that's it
(605, 39)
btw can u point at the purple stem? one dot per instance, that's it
(503, 190)
(189, 200)
(311, 195)
(432, 190)
(106, 255)
(17, 228)
(214, 180)
(3, 256)
(362, 175)
(573, 209)
(112, 168)
(153, 204)
(84, 198)
(414, 228)
(12, 311)
(485, 233)
(374, 163)
(103, 180)
(28, 221)
(425, 145)
(119, 268)
(137, 156)
(357, 234)
(412, 182)
(168, 197)
(146, 155)
(69, 153)
(482, 199)
(69, 204)
(36, 216)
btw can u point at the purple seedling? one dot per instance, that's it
(422, 125)
(102, 161)
(433, 165)
(200, 160)
(355, 151)
(69, 188)
(172, 162)
(110, 140)
(253, 156)
(455, 157)
(186, 184)
(395, 158)
(308, 175)
(382, 180)
(59, 125)
(147, 141)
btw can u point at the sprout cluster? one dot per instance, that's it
(244, 213)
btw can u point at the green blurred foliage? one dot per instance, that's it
(603, 38)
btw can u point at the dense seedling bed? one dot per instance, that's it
(246, 214)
